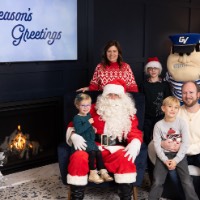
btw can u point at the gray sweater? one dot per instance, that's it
(177, 131)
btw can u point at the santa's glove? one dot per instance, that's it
(78, 142)
(132, 150)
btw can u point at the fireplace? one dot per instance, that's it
(29, 133)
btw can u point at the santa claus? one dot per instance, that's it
(118, 137)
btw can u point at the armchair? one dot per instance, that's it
(141, 160)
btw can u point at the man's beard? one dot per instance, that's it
(191, 102)
(117, 115)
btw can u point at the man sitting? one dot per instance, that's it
(117, 135)
(190, 112)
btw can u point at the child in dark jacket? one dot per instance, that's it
(155, 90)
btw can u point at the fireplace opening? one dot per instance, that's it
(30, 132)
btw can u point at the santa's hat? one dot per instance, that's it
(116, 86)
(154, 63)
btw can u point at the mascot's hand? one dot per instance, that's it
(78, 142)
(132, 150)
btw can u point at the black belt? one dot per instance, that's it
(107, 141)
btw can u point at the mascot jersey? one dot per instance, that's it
(176, 86)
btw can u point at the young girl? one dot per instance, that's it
(83, 126)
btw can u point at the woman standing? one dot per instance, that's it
(110, 68)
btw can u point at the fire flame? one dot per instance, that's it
(19, 142)
(21, 145)
(19, 128)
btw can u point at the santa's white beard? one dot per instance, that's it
(117, 115)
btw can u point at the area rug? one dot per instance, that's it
(44, 183)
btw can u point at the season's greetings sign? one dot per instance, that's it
(38, 30)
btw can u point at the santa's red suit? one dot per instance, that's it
(124, 171)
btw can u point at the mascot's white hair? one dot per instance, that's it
(117, 114)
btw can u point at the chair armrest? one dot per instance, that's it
(63, 151)
(141, 164)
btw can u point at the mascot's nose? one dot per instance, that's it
(184, 58)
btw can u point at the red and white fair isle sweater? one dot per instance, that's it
(103, 75)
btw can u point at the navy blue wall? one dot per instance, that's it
(141, 26)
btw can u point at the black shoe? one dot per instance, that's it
(125, 191)
(77, 192)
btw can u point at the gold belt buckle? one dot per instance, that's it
(104, 140)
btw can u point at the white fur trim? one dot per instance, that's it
(68, 135)
(114, 89)
(125, 178)
(77, 180)
(155, 64)
(113, 149)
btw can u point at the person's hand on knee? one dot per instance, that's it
(132, 150)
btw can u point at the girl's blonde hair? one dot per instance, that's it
(170, 100)
(80, 97)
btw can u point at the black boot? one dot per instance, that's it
(125, 191)
(77, 192)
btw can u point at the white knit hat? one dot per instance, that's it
(116, 86)
(153, 62)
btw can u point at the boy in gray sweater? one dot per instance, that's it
(175, 129)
